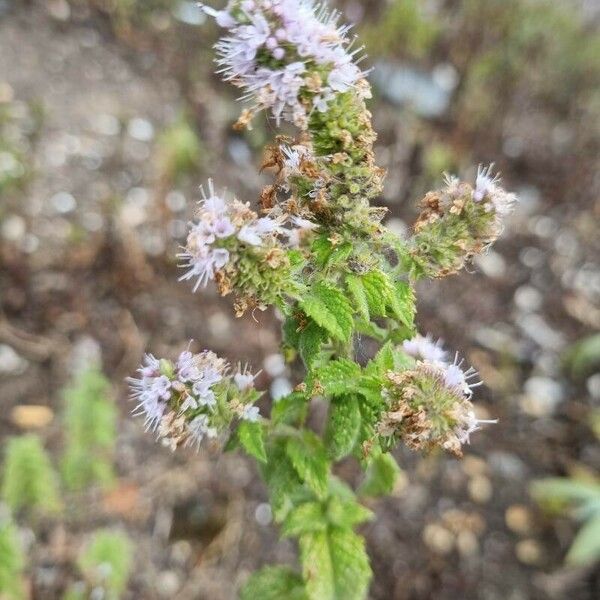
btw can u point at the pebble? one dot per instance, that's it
(529, 552)
(263, 514)
(507, 465)
(536, 328)
(31, 416)
(518, 518)
(438, 538)
(140, 129)
(189, 13)
(467, 543)
(63, 202)
(13, 228)
(105, 124)
(11, 363)
(542, 396)
(528, 299)
(593, 386)
(480, 489)
(168, 584)
(175, 201)
(492, 264)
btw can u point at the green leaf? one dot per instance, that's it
(561, 489)
(282, 480)
(381, 476)
(310, 340)
(274, 583)
(337, 376)
(251, 437)
(402, 302)
(335, 565)
(347, 513)
(321, 250)
(310, 460)
(330, 309)
(376, 286)
(359, 296)
(586, 546)
(290, 409)
(305, 518)
(343, 426)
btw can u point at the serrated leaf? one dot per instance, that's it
(290, 409)
(309, 458)
(330, 309)
(402, 302)
(337, 376)
(282, 480)
(347, 513)
(310, 340)
(251, 438)
(274, 583)
(381, 476)
(335, 565)
(291, 331)
(359, 296)
(382, 362)
(305, 518)
(321, 250)
(586, 546)
(376, 287)
(343, 426)
(339, 253)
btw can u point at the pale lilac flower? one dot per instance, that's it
(222, 227)
(249, 235)
(250, 413)
(424, 348)
(485, 182)
(468, 425)
(243, 380)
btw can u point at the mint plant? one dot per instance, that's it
(315, 248)
(90, 431)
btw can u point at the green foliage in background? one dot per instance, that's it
(403, 29)
(29, 481)
(581, 499)
(583, 357)
(105, 564)
(90, 432)
(179, 150)
(12, 562)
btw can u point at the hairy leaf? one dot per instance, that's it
(310, 340)
(251, 438)
(335, 565)
(305, 518)
(330, 309)
(343, 426)
(337, 376)
(347, 513)
(290, 409)
(381, 476)
(359, 295)
(282, 480)
(274, 583)
(310, 460)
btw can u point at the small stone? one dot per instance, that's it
(529, 552)
(480, 489)
(542, 396)
(59, 9)
(63, 202)
(168, 584)
(31, 416)
(140, 129)
(105, 124)
(528, 298)
(438, 538)
(11, 363)
(473, 466)
(491, 264)
(467, 543)
(13, 228)
(593, 386)
(263, 514)
(518, 518)
(507, 465)
(175, 201)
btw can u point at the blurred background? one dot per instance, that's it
(110, 119)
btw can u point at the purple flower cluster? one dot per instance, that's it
(220, 228)
(290, 56)
(433, 358)
(179, 400)
(488, 190)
